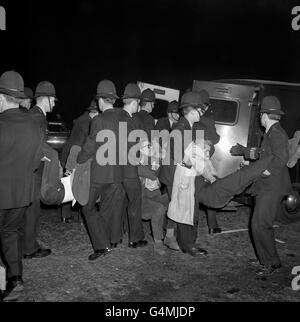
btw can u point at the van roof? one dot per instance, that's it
(257, 82)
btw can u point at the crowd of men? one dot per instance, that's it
(118, 198)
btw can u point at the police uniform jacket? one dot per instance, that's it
(40, 117)
(20, 155)
(210, 133)
(103, 172)
(147, 122)
(79, 134)
(275, 143)
(133, 123)
(163, 124)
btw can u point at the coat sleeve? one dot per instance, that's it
(212, 134)
(77, 137)
(279, 148)
(90, 145)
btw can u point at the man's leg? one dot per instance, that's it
(212, 222)
(11, 222)
(112, 210)
(31, 248)
(262, 229)
(170, 238)
(134, 194)
(94, 219)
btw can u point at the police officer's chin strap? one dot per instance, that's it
(49, 103)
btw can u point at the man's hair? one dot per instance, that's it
(128, 101)
(108, 100)
(274, 117)
(13, 100)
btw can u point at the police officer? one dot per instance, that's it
(27, 102)
(80, 130)
(191, 113)
(167, 124)
(104, 226)
(131, 182)
(212, 138)
(20, 147)
(45, 96)
(144, 116)
(271, 187)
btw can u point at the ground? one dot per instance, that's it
(139, 275)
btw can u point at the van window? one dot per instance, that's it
(224, 112)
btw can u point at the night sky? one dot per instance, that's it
(76, 44)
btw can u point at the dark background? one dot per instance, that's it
(75, 44)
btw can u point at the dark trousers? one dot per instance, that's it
(133, 191)
(97, 220)
(170, 223)
(31, 222)
(11, 222)
(262, 227)
(212, 218)
(187, 234)
(114, 222)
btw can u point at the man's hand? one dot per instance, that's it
(68, 173)
(244, 163)
(237, 150)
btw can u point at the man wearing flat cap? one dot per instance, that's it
(21, 139)
(79, 134)
(271, 187)
(45, 96)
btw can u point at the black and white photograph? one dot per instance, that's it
(149, 154)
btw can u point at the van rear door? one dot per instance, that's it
(232, 111)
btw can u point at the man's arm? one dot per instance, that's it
(90, 145)
(279, 147)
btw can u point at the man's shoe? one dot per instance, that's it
(254, 262)
(171, 243)
(141, 243)
(14, 289)
(40, 253)
(159, 248)
(195, 251)
(214, 231)
(99, 253)
(113, 245)
(268, 270)
(199, 251)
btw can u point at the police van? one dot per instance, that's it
(235, 105)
